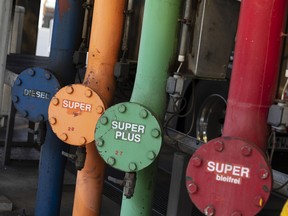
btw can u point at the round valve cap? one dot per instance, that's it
(130, 134)
(32, 92)
(229, 180)
(74, 111)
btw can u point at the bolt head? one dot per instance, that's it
(82, 140)
(47, 76)
(24, 113)
(63, 136)
(258, 201)
(40, 117)
(88, 93)
(18, 81)
(151, 155)
(192, 188)
(263, 174)
(122, 108)
(209, 211)
(219, 146)
(246, 151)
(55, 101)
(52, 120)
(155, 133)
(196, 161)
(31, 72)
(69, 89)
(100, 109)
(111, 161)
(143, 113)
(132, 166)
(104, 120)
(15, 99)
(100, 142)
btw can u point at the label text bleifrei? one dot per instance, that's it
(128, 131)
(228, 173)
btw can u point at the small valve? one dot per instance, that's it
(79, 157)
(175, 85)
(128, 183)
(278, 117)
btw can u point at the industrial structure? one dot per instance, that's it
(161, 107)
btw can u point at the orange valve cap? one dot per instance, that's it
(82, 140)
(53, 121)
(88, 93)
(63, 136)
(69, 89)
(55, 101)
(100, 109)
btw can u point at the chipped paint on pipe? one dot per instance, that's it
(104, 46)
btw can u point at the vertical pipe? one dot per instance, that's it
(156, 54)
(5, 22)
(184, 32)
(65, 40)
(255, 69)
(104, 46)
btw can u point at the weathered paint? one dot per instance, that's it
(104, 46)
(244, 138)
(66, 39)
(255, 70)
(64, 6)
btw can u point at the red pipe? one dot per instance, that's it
(255, 69)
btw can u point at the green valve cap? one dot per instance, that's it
(111, 161)
(100, 142)
(104, 120)
(132, 166)
(122, 108)
(128, 131)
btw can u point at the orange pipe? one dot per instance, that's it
(106, 33)
(104, 46)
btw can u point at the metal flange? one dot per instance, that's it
(73, 114)
(128, 137)
(32, 92)
(229, 176)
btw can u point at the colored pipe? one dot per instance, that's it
(65, 40)
(244, 139)
(156, 55)
(255, 70)
(104, 46)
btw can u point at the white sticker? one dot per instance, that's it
(76, 105)
(228, 172)
(36, 94)
(128, 131)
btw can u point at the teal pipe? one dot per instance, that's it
(156, 56)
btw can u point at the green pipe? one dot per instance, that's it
(156, 55)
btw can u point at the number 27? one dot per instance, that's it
(118, 152)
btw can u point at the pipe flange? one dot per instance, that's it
(73, 114)
(237, 176)
(128, 137)
(32, 92)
